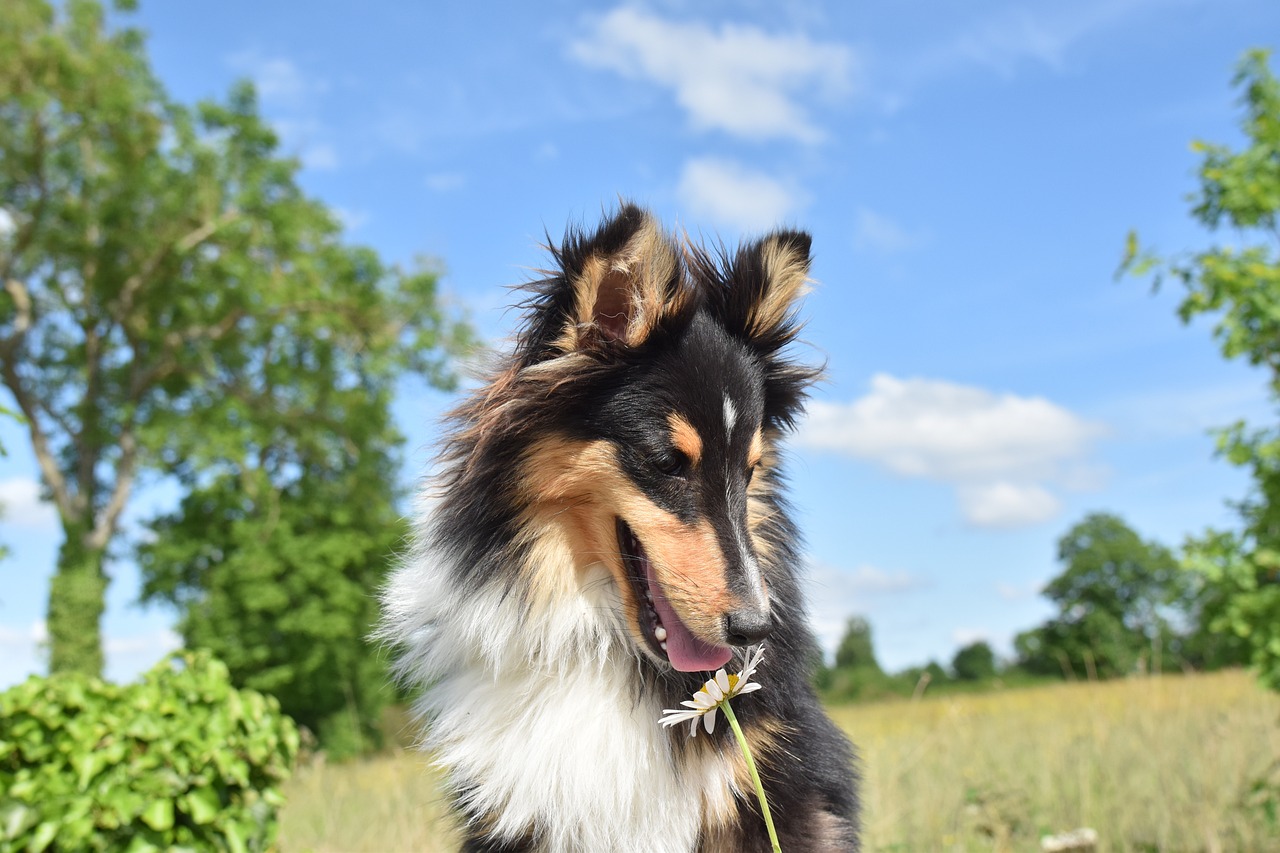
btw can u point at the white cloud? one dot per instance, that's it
(277, 79)
(1155, 414)
(21, 505)
(35, 633)
(734, 196)
(873, 231)
(445, 181)
(155, 645)
(290, 99)
(832, 594)
(1007, 504)
(1019, 592)
(968, 636)
(998, 450)
(869, 580)
(352, 220)
(738, 79)
(321, 157)
(21, 652)
(1018, 35)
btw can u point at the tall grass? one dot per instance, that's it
(387, 803)
(1156, 764)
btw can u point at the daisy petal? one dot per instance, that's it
(752, 661)
(722, 681)
(709, 720)
(749, 687)
(715, 690)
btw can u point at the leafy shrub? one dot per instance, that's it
(177, 760)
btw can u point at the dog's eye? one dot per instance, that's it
(673, 463)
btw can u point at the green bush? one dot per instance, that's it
(179, 760)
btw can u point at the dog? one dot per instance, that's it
(606, 530)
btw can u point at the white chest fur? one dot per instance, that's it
(541, 717)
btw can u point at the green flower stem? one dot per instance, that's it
(755, 775)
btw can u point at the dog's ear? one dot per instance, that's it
(611, 290)
(755, 294)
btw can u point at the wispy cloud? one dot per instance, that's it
(279, 80)
(445, 181)
(833, 594)
(1019, 592)
(1005, 504)
(22, 506)
(736, 78)
(734, 196)
(999, 451)
(352, 220)
(321, 157)
(150, 646)
(1020, 35)
(969, 636)
(290, 98)
(1177, 412)
(876, 232)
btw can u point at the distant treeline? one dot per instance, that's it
(1125, 607)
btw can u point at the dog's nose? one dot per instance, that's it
(747, 626)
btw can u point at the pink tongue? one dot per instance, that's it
(686, 652)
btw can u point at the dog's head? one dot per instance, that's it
(662, 389)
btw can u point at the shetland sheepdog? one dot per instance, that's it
(607, 529)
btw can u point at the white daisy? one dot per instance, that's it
(715, 693)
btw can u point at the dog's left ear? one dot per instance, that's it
(755, 295)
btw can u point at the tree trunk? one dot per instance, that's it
(77, 598)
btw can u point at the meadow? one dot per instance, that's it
(1152, 764)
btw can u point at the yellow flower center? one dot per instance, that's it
(733, 685)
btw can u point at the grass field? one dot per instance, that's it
(1156, 764)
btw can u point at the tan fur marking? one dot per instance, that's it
(576, 489)
(685, 438)
(756, 450)
(786, 273)
(761, 488)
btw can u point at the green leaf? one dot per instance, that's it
(201, 805)
(42, 837)
(159, 815)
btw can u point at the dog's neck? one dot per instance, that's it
(539, 718)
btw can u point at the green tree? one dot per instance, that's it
(856, 651)
(1238, 283)
(1115, 597)
(161, 269)
(279, 582)
(974, 662)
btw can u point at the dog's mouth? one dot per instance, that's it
(667, 637)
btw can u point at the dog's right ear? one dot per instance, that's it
(611, 290)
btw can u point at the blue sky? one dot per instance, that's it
(968, 172)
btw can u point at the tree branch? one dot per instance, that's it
(180, 246)
(105, 524)
(40, 442)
